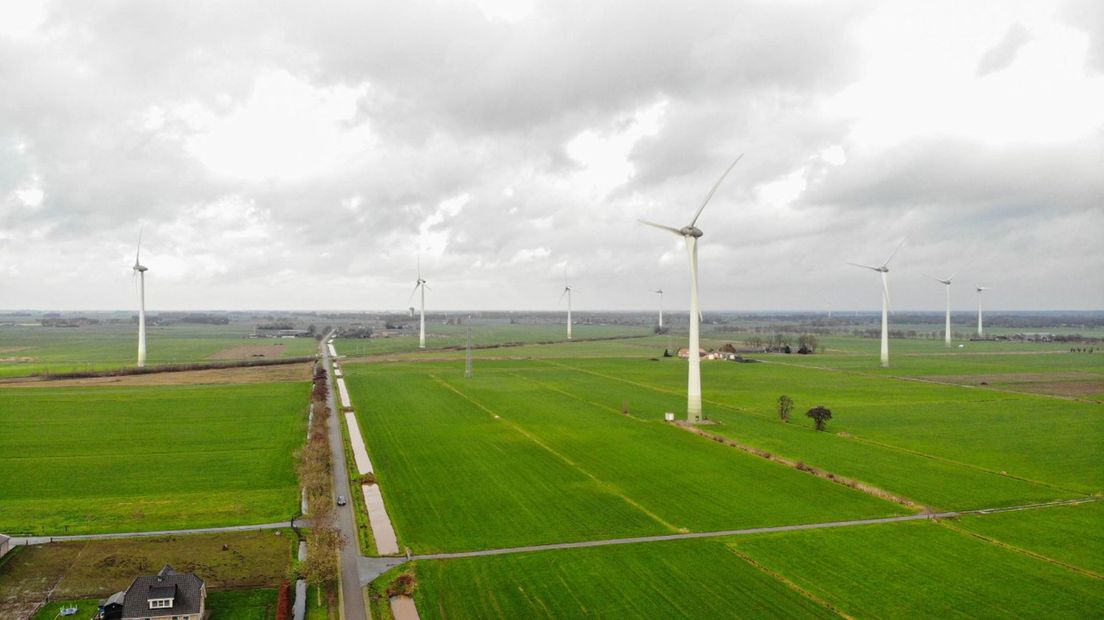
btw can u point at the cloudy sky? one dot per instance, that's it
(301, 155)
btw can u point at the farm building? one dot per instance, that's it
(168, 594)
(5, 545)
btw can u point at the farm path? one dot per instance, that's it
(42, 540)
(352, 597)
(743, 532)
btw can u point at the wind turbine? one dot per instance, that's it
(947, 328)
(140, 273)
(884, 269)
(979, 290)
(420, 284)
(660, 293)
(690, 234)
(567, 291)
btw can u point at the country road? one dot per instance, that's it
(351, 592)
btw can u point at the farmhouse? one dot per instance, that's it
(5, 545)
(168, 594)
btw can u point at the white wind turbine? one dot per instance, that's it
(140, 273)
(690, 234)
(947, 327)
(979, 290)
(420, 284)
(567, 291)
(884, 269)
(660, 293)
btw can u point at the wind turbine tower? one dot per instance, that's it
(690, 234)
(567, 291)
(660, 293)
(883, 269)
(947, 326)
(981, 333)
(140, 272)
(420, 284)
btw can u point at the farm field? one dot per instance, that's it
(922, 569)
(498, 461)
(92, 570)
(111, 459)
(483, 334)
(1049, 532)
(36, 350)
(685, 579)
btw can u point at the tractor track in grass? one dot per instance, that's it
(602, 484)
(742, 532)
(789, 584)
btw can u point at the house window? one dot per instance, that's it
(160, 603)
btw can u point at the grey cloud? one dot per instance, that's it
(1003, 54)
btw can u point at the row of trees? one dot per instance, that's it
(819, 414)
(316, 477)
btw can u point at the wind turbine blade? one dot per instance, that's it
(951, 279)
(139, 252)
(563, 293)
(864, 266)
(661, 227)
(885, 289)
(886, 263)
(409, 299)
(715, 186)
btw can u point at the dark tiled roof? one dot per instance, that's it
(116, 598)
(164, 584)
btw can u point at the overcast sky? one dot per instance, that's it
(299, 155)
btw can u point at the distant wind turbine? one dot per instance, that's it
(140, 272)
(884, 269)
(979, 290)
(567, 291)
(420, 284)
(660, 293)
(947, 328)
(690, 234)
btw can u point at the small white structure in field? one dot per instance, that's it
(668, 417)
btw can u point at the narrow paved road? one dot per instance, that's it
(351, 593)
(42, 540)
(743, 532)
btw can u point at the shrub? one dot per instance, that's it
(785, 406)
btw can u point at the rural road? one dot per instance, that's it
(42, 540)
(351, 592)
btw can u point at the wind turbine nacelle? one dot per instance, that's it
(690, 231)
(141, 268)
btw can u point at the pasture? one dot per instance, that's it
(501, 461)
(26, 350)
(484, 333)
(922, 569)
(111, 459)
(691, 579)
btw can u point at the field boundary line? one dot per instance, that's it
(780, 578)
(602, 484)
(46, 539)
(851, 483)
(1031, 554)
(944, 459)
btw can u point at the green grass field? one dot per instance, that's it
(692, 579)
(484, 333)
(921, 569)
(36, 350)
(103, 459)
(501, 461)
(1068, 534)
